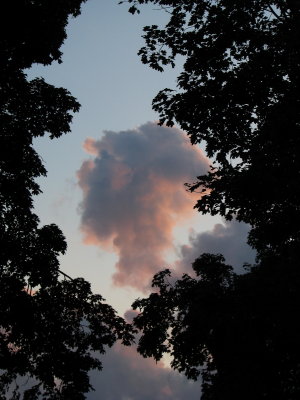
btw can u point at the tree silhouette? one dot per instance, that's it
(50, 325)
(239, 332)
(239, 93)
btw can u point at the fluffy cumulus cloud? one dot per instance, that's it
(229, 239)
(128, 376)
(134, 195)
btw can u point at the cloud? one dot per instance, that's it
(128, 376)
(229, 239)
(134, 196)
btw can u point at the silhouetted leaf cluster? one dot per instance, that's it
(51, 329)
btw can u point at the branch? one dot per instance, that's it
(164, 8)
(65, 275)
(277, 16)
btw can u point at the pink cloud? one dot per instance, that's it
(134, 195)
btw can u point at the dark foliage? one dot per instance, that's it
(239, 93)
(33, 31)
(50, 325)
(239, 332)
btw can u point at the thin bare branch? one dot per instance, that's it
(277, 16)
(65, 275)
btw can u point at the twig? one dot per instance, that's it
(274, 13)
(65, 275)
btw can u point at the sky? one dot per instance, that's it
(115, 186)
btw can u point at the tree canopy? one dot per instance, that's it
(238, 332)
(238, 93)
(51, 326)
(33, 31)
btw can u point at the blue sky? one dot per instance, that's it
(102, 70)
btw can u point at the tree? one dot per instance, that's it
(239, 332)
(50, 325)
(239, 94)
